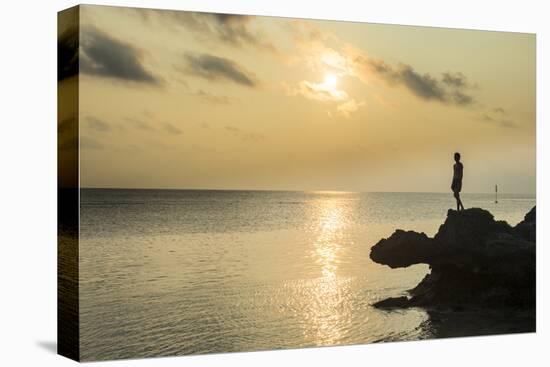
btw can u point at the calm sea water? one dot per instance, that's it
(183, 272)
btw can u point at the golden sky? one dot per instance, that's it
(194, 100)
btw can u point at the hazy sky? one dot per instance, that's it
(194, 100)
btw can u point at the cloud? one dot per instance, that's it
(169, 128)
(205, 96)
(424, 86)
(457, 79)
(97, 124)
(211, 98)
(499, 117)
(311, 50)
(217, 68)
(233, 30)
(306, 32)
(508, 123)
(349, 107)
(344, 59)
(461, 99)
(144, 125)
(316, 91)
(233, 129)
(323, 52)
(67, 54)
(140, 124)
(105, 56)
(244, 135)
(450, 88)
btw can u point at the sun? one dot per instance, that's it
(330, 82)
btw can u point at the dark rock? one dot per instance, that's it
(394, 302)
(403, 249)
(527, 228)
(475, 262)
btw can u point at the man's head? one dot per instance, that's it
(457, 156)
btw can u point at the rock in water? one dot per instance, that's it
(395, 302)
(475, 262)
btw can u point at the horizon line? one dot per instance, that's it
(298, 190)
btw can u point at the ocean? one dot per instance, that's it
(176, 272)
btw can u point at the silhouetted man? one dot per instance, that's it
(456, 186)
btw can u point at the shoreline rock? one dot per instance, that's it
(476, 263)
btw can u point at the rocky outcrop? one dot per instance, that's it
(527, 228)
(475, 262)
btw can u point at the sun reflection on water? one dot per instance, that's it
(328, 311)
(328, 243)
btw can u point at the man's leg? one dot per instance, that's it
(457, 200)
